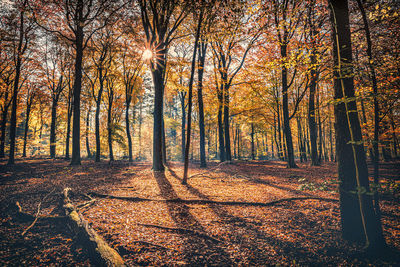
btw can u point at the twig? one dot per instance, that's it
(37, 213)
(182, 230)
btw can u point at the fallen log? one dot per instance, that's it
(206, 201)
(98, 249)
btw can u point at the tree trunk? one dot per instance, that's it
(89, 154)
(97, 114)
(13, 126)
(27, 115)
(312, 127)
(4, 124)
(53, 128)
(182, 96)
(228, 155)
(128, 132)
(3, 131)
(358, 218)
(109, 125)
(220, 126)
(285, 107)
(202, 58)
(376, 113)
(253, 157)
(158, 79)
(76, 123)
(69, 115)
(189, 126)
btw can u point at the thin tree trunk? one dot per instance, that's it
(128, 132)
(186, 165)
(220, 126)
(69, 115)
(53, 128)
(89, 154)
(253, 157)
(3, 124)
(182, 97)
(376, 113)
(200, 72)
(27, 115)
(13, 126)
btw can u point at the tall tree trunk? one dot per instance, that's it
(4, 123)
(53, 128)
(128, 132)
(182, 96)
(376, 113)
(312, 127)
(13, 126)
(97, 114)
(110, 126)
(220, 126)
(196, 41)
(69, 115)
(285, 107)
(253, 156)
(358, 217)
(228, 155)
(76, 122)
(281, 154)
(163, 142)
(89, 154)
(27, 115)
(200, 72)
(3, 131)
(158, 78)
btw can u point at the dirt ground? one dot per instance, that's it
(196, 233)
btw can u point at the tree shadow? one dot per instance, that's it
(198, 251)
(242, 230)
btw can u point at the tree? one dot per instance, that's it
(190, 95)
(160, 21)
(358, 218)
(82, 18)
(55, 65)
(25, 28)
(132, 68)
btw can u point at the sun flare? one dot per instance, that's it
(147, 54)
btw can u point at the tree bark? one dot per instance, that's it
(53, 129)
(285, 108)
(27, 115)
(202, 58)
(358, 218)
(190, 96)
(182, 96)
(220, 126)
(376, 113)
(158, 78)
(76, 122)
(128, 131)
(13, 123)
(89, 154)
(3, 125)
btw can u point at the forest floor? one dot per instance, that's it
(219, 226)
